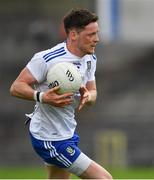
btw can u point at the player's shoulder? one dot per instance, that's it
(49, 53)
(56, 51)
(91, 57)
(94, 57)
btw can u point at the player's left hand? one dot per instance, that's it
(84, 97)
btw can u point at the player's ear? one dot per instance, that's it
(73, 34)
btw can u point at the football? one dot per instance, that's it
(66, 75)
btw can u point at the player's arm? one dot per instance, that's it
(22, 87)
(88, 94)
(91, 87)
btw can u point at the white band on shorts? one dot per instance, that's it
(80, 164)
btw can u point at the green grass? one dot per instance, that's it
(40, 173)
(23, 173)
(133, 173)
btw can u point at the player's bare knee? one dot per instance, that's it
(105, 174)
(95, 171)
(108, 176)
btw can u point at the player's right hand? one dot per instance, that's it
(52, 97)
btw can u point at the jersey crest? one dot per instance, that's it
(88, 65)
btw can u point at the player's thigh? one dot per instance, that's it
(95, 171)
(56, 172)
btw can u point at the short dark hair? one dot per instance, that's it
(78, 18)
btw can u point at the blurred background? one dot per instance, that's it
(118, 130)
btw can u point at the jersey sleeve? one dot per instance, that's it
(38, 68)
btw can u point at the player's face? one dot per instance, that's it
(88, 38)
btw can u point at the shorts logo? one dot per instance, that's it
(70, 150)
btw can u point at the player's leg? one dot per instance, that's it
(85, 168)
(54, 172)
(55, 163)
(95, 171)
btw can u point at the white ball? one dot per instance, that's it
(66, 75)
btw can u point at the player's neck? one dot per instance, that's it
(72, 48)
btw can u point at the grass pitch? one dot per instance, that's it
(40, 173)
